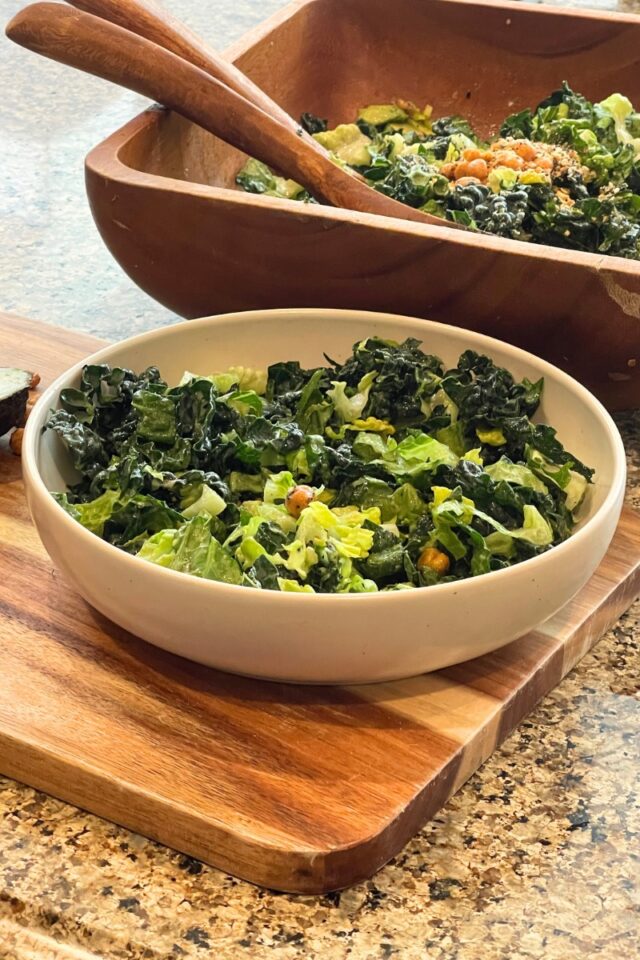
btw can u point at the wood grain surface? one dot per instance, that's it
(163, 194)
(300, 789)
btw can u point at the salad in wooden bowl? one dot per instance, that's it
(566, 173)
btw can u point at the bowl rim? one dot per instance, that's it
(105, 163)
(37, 488)
(104, 160)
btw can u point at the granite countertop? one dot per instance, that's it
(537, 856)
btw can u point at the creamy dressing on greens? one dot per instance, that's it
(385, 472)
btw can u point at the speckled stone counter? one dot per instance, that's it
(538, 856)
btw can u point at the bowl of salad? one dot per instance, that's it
(565, 173)
(518, 122)
(323, 496)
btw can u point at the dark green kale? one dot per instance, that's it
(403, 456)
(585, 196)
(608, 225)
(286, 382)
(138, 518)
(86, 447)
(413, 180)
(501, 213)
(448, 126)
(402, 369)
(312, 124)
(324, 575)
(487, 394)
(265, 573)
(518, 126)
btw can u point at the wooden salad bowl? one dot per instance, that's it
(163, 195)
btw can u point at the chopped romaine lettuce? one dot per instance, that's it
(208, 502)
(516, 473)
(347, 142)
(620, 109)
(292, 586)
(566, 173)
(278, 486)
(357, 477)
(349, 408)
(192, 549)
(94, 513)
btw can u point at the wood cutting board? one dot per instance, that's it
(300, 789)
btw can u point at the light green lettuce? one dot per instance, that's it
(208, 502)
(278, 486)
(573, 484)
(351, 408)
(160, 548)
(516, 473)
(415, 454)
(341, 526)
(297, 557)
(273, 512)
(244, 402)
(192, 549)
(244, 378)
(620, 108)
(94, 514)
(292, 586)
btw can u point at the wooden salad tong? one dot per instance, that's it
(136, 45)
(150, 21)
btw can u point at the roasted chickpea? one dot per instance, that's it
(525, 150)
(448, 170)
(471, 154)
(15, 441)
(298, 498)
(507, 158)
(478, 168)
(434, 559)
(465, 181)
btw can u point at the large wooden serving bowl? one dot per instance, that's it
(163, 195)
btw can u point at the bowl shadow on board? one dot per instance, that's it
(167, 675)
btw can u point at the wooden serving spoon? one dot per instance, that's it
(114, 53)
(150, 21)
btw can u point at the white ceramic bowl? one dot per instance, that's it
(325, 638)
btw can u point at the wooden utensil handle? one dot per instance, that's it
(153, 23)
(96, 46)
